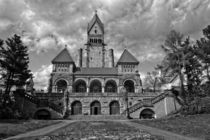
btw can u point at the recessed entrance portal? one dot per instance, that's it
(95, 108)
(114, 108)
(76, 108)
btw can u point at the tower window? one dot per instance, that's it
(95, 31)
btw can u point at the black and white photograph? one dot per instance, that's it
(104, 69)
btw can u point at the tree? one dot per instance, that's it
(202, 51)
(14, 63)
(153, 80)
(175, 58)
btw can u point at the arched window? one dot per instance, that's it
(114, 108)
(80, 86)
(95, 108)
(129, 85)
(61, 85)
(76, 108)
(95, 86)
(111, 86)
(147, 114)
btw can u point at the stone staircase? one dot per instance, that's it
(40, 103)
(148, 103)
(97, 117)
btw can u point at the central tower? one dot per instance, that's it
(95, 43)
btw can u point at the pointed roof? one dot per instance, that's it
(127, 57)
(93, 21)
(63, 56)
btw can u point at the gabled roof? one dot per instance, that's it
(93, 21)
(127, 57)
(63, 56)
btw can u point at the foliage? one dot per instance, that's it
(175, 59)
(14, 65)
(153, 81)
(190, 61)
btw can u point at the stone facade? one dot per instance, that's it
(98, 85)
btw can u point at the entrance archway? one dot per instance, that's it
(147, 114)
(95, 108)
(95, 86)
(76, 108)
(114, 108)
(129, 85)
(111, 86)
(61, 86)
(42, 114)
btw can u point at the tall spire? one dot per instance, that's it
(94, 20)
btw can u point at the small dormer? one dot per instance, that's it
(127, 63)
(63, 62)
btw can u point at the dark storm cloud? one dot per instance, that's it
(139, 25)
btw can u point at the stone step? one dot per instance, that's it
(97, 117)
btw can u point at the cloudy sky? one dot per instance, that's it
(138, 25)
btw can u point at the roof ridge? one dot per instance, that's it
(127, 57)
(94, 20)
(63, 56)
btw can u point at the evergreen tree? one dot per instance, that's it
(14, 63)
(175, 59)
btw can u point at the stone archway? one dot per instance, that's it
(129, 85)
(95, 86)
(111, 86)
(95, 108)
(61, 86)
(76, 108)
(42, 114)
(114, 108)
(80, 86)
(147, 114)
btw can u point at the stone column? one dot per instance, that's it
(54, 89)
(88, 89)
(103, 89)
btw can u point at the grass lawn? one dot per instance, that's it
(14, 127)
(98, 130)
(192, 125)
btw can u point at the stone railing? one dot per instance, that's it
(41, 103)
(146, 103)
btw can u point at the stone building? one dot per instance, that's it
(98, 85)
(95, 88)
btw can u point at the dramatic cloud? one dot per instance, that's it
(138, 25)
(41, 77)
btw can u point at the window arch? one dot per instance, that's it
(114, 108)
(76, 108)
(129, 85)
(95, 86)
(147, 114)
(111, 86)
(80, 86)
(61, 85)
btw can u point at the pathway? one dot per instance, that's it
(154, 131)
(42, 131)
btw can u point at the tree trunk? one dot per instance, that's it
(154, 86)
(207, 71)
(182, 91)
